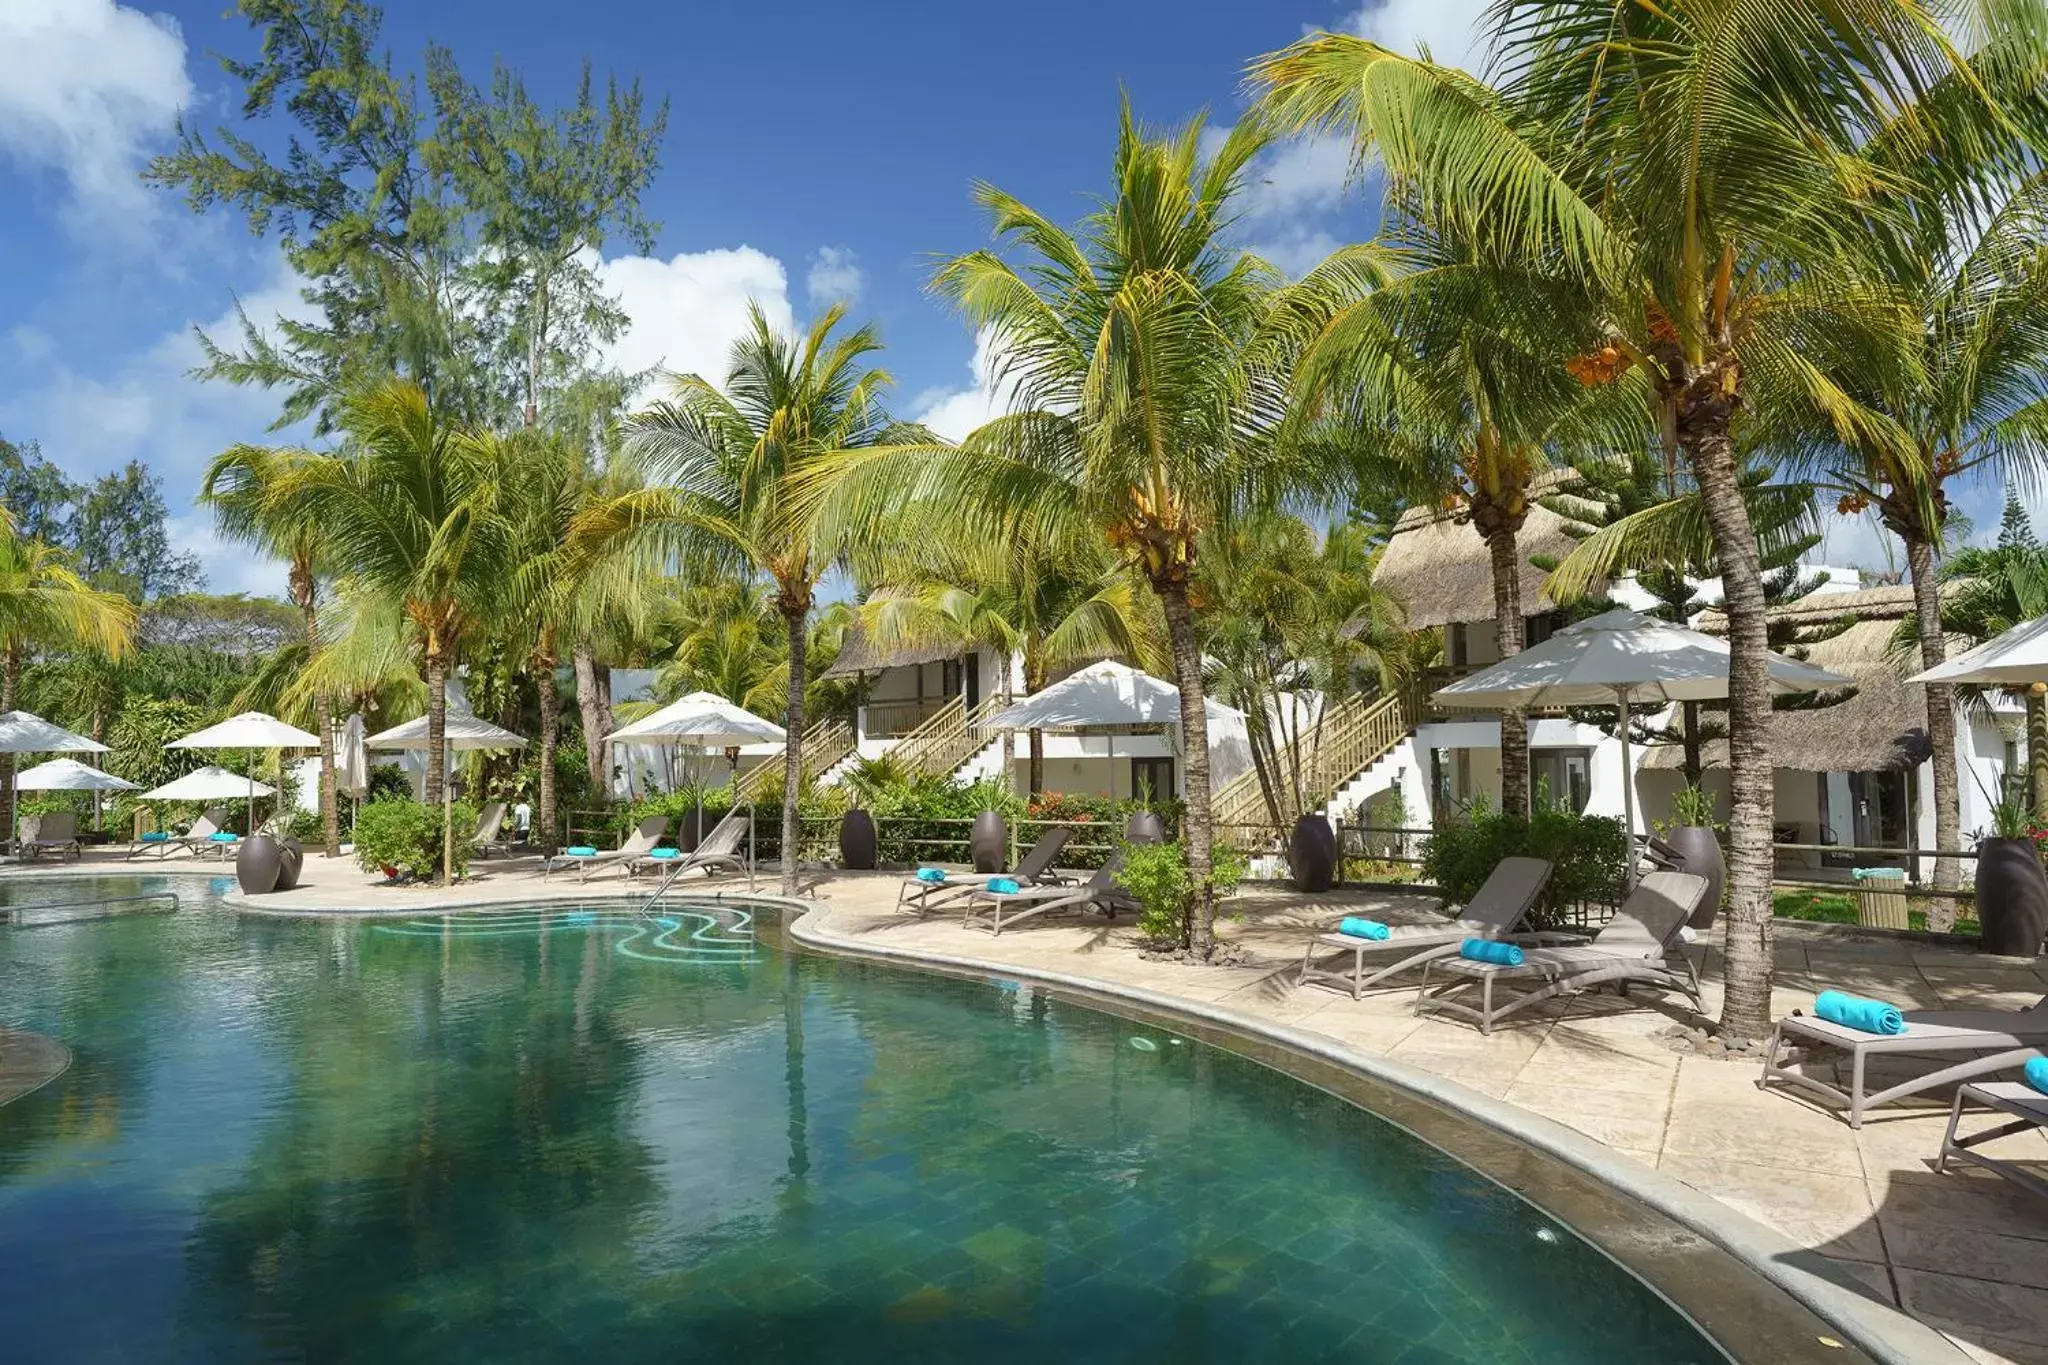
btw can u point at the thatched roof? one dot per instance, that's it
(1438, 567)
(858, 654)
(1883, 724)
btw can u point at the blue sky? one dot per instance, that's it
(815, 151)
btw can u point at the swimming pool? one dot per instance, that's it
(573, 1133)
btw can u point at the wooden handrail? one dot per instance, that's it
(951, 737)
(1357, 734)
(826, 742)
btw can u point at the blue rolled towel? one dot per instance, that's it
(580, 851)
(931, 876)
(1853, 1011)
(1004, 886)
(156, 836)
(223, 837)
(1364, 928)
(664, 853)
(1491, 950)
(2036, 1071)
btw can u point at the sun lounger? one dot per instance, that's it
(197, 840)
(719, 852)
(489, 821)
(1033, 869)
(2004, 1034)
(638, 842)
(54, 832)
(1494, 910)
(998, 909)
(1640, 946)
(2027, 1107)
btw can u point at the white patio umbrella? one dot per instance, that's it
(1104, 698)
(69, 775)
(461, 730)
(23, 733)
(2018, 658)
(1616, 659)
(704, 719)
(208, 784)
(250, 730)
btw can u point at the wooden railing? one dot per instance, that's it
(1357, 733)
(902, 719)
(826, 742)
(951, 737)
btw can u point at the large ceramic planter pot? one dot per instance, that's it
(689, 828)
(1144, 827)
(988, 843)
(1312, 854)
(857, 840)
(2012, 897)
(1700, 852)
(257, 864)
(291, 860)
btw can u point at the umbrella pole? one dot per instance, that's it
(447, 832)
(1628, 801)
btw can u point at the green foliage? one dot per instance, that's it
(1692, 806)
(1586, 854)
(388, 780)
(2012, 815)
(1157, 876)
(141, 735)
(406, 834)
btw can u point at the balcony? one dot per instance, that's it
(895, 719)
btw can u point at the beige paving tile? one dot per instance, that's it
(1710, 1078)
(1633, 1120)
(1566, 1060)
(1872, 1278)
(1974, 1199)
(1379, 1033)
(1989, 1350)
(1965, 1251)
(1825, 1213)
(1781, 1135)
(1970, 1307)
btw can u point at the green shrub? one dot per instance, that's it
(1157, 876)
(406, 834)
(1586, 854)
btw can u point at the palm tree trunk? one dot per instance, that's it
(1941, 733)
(437, 724)
(793, 747)
(1704, 415)
(2037, 749)
(594, 700)
(550, 738)
(10, 685)
(1693, 766)
(1507, 641)
(1196, 831)
(323, 723)
(1034, 679)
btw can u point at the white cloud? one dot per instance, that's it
(953, 413)
(687, 311)
(835, 277)
(1449, 29)
(85, 87)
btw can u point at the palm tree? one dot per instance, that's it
(44, 604)
(736, 456)
(410, 515)
(1145, 355)
(1704, 173)
(240, 486)
(1052, 606)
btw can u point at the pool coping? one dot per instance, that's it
(1885, 1334)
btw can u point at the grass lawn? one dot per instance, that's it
(1839, 907)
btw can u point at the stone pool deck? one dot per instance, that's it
(1966, 1252)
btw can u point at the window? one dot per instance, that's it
(1563, 776)
(1863, 810)
(1152, 778)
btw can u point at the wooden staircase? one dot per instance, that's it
(1356, 734)
(826, 742)
(949, 737)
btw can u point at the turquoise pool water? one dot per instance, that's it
(580, 1136)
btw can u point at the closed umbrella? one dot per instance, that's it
(461, 731)
(1615, 659)
(1105, 698)
(352, 759)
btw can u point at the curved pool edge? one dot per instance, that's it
(1885, 1334)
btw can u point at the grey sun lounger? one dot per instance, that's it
(1035, 868)
(1638, 947)
(638, 842)
(998, 909)
(2027, 1108)
(720, 852)
(488, 839)
(53, 832)
(196, 840)
(2008, 1036)
(1494, 910)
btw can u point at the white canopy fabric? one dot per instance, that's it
(23, 733)
(351, 758)
(69, 775)
(1615, 659)
(2017, 658)
(250, 730)
(462, 730)
(1102, 697)
(1620, 653)
(209, 784)
(703, 718)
